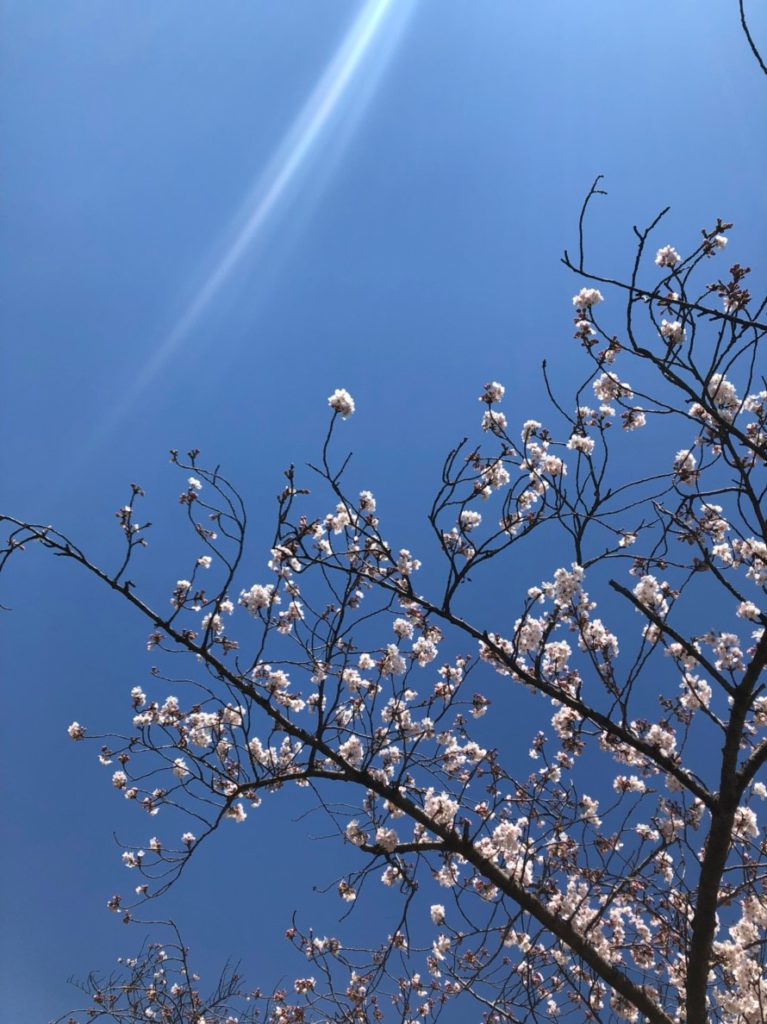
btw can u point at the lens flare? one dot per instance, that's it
(359, 61)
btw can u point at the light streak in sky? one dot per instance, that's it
(372, 35)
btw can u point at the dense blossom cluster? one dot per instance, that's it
(342, 403)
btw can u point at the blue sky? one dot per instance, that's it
(216, 213)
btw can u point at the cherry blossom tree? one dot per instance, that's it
(613, 865)
(160, 984)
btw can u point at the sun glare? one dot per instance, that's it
(330, 114)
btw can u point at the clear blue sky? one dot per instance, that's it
(215, 213)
